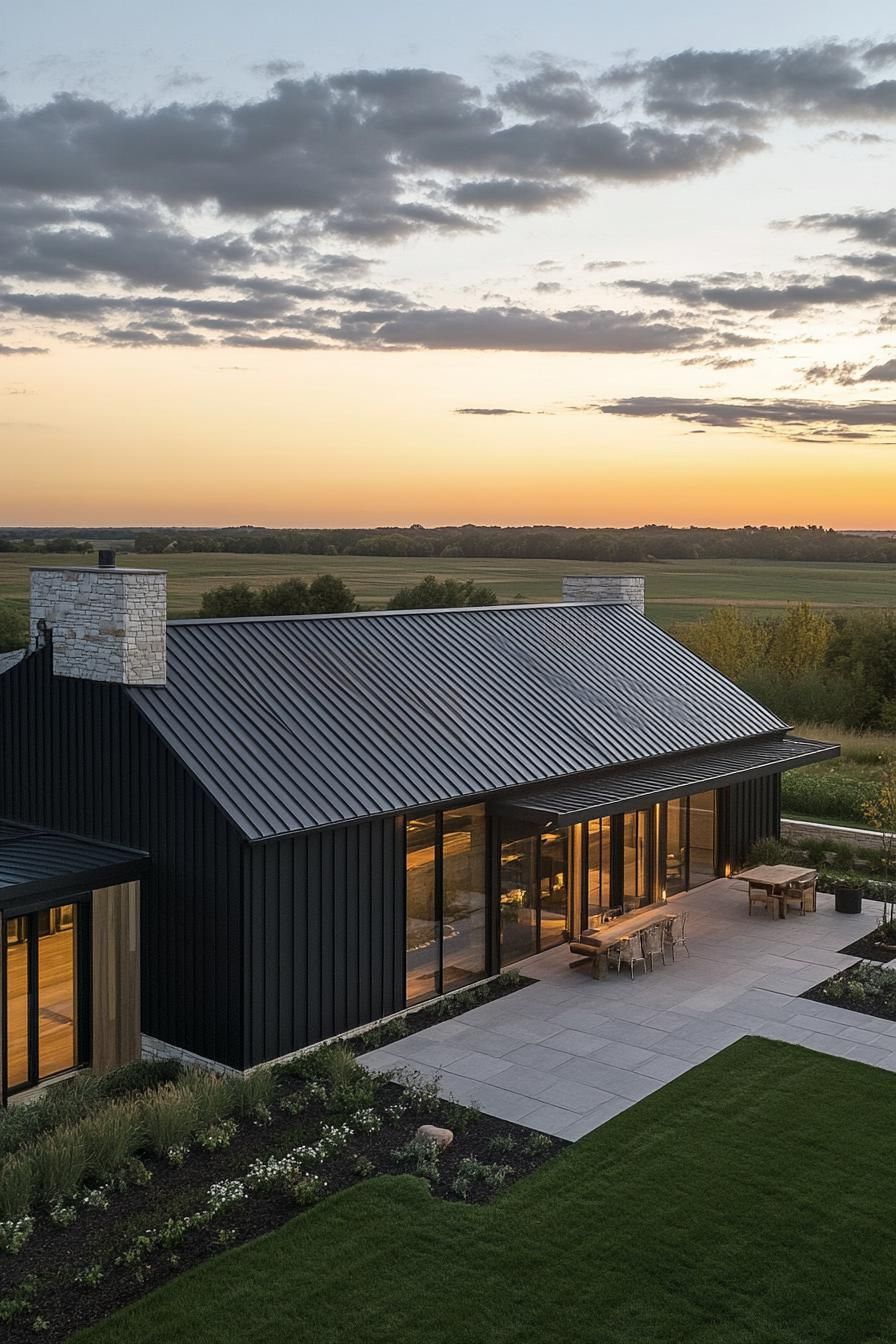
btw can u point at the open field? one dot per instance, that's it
(677, 590)
(744, 1203)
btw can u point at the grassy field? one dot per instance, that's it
(745, 1203)
(676, 590)
(835, 791)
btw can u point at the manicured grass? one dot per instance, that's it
(677, 590)
(749, 1202)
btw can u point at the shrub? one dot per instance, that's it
(169, 1117)
(253, 1094)
(834, 791)
(58, 1164)
(349, 1086)
(111, 1136)
(509, 980)
(501, 1144)
(470, 1172)
(213, 1095)
(768, 850)
(16, 1185)
(421, 1154)
(140, 1076)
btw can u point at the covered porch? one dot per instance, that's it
(69, 956)
(567, 1053)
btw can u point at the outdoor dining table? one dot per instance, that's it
(774, 877)
(608, 935)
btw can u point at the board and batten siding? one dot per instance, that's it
(79, 757)
(115, 960)
(325, 924)
(751, 811)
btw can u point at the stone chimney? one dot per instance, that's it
(606, 589)
(104, 623)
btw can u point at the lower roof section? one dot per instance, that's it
(36, 863)
(629, 788)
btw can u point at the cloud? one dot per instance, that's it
(854, 138)
(778, 300)
(803, 420)
(276, 69)
(184, 79)
(884, 53)
(817, 81)
(865, 226)
(511, 193)
(22, 350)
(551, 91)
(487, 410)
(881, 373)
(718, 361)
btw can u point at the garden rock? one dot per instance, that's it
(443, 1138)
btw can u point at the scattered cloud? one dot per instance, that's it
(22, 350)
(819, 421)
(865, 226)
(740, 294)
(848, 375)
(487, 410)
(184, 79)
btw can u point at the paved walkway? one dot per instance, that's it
(570, 1052)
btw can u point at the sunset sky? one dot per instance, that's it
(485, 262)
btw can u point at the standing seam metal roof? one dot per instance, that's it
(296, 723)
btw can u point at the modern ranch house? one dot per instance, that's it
(230, 839)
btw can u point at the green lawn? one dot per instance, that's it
(676, 590)
(749, 1202)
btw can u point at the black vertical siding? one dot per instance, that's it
(334, 900)
(750, 812)
(77, 756)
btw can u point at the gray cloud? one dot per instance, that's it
(881, 373)
(487, 410)
(865, 226)
(814, 420)
(512, 193)
(884, 53)
(777, 300)
(746, 88)
(551, 91)
(21, 350)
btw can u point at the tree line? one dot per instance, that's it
(806, 665)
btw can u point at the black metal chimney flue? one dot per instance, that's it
(106, 559)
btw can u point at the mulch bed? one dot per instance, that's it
(870, 1004)
(870, 948)
(54, 1255)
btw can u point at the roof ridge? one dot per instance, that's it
(382, 611)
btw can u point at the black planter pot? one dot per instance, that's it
(847, 900)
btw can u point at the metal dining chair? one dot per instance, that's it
(628, 952)
(654, 944)
(674, 932)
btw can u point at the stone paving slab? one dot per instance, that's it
(566, 1054)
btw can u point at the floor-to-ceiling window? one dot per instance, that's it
(702, 838)
(676, 845)
(535, 898)
(44, 974)
(599, 853)
(636, 836)
(464, 912)
(446, 921)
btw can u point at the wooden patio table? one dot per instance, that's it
(608, 935)
(774, 877)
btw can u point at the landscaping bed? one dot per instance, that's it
(878, 945)
(866, 988)
(115, 1191)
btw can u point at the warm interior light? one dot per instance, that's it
(727, 869)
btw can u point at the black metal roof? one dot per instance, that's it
(613, 791)
(37, 863)
(300, 722)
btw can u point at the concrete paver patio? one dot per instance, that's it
(568, 1053)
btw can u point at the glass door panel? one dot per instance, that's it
(16, 1015)
(464, 923)
(422, 929)
(57, 993)
(676, 846)
(635, 835)
(519, 899)
(554, 885)
(702, 838)
(599, 832)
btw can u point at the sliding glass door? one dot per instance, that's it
(45, 977)
(702, 838)
(446, 922)
(535, 913)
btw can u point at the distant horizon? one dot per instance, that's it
(72, 529)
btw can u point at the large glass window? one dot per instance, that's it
(534, 894)
(519, 898)
(676, 845)
(446, 924)
(702, 846)
(464, 914)
(599, 868)
(635, 841)
(43, 994)
(422, 927)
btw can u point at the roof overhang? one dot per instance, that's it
(38, 864)
(632, 787)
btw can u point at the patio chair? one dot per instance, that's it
(762, 896)
(654, 944)
(628, 952)
(674, 932)
(802, 893)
